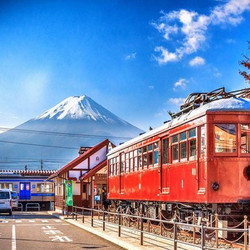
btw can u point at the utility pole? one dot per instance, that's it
(26, 167)
(41, 164)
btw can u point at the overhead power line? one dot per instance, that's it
(37, 145)
(19, 130)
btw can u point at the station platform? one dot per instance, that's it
(129, 239)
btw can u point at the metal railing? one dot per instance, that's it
(138, 224)
(20, 206)
(33, 206)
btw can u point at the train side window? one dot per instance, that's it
(44, 188)
(7, 186)
(145, 160)
(165, 150)
(135, 160)
(175, 148)
(111, 167)
(131, 158)
(192, 143)
(183, 145)
(127, 162)
(150, 155)
(140, 158)
(122, 163)
(117, 168)
(225, 138)
(156, 153)
(245, 138)
(114, 166)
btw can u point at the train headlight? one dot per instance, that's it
(247, 173)
(215, 186)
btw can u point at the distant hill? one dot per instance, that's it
(53, 138)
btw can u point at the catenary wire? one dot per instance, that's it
(19, 130)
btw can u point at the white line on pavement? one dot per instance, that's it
(13, 237)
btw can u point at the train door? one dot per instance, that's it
(165, 176)
(201, 159)
(24, 191)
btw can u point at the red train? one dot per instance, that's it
(198, 161)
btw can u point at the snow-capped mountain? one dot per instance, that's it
(80, 107)
(55, 136)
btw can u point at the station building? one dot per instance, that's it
(88, 173)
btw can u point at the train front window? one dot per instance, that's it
(165, 149)
(245, 138)
(225, 138)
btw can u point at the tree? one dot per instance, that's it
(246, 63)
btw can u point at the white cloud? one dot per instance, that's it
(181, 83)
(130, 56)
(197, 61)
(151, 86)
(193, 26)
(165, 56)
(176, 101)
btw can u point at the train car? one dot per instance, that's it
(198, 161)
(31, 187)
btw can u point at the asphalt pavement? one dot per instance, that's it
(39, 230)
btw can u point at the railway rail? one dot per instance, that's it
(205, 236)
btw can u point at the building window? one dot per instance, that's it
(225, 138)
(165, 150)
(245, 138)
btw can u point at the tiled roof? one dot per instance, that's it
(28, 172)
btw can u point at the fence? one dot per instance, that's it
(205, 237)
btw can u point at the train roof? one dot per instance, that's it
(227, 104)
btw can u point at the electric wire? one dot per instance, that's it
(54, 133)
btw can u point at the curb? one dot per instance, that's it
(114, 240)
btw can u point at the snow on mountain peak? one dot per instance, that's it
(78, 108)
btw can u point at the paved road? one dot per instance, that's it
(38, 230)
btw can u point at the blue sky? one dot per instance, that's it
(138, 59)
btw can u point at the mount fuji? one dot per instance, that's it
(53, 139)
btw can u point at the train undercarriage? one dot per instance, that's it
(232, 213)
